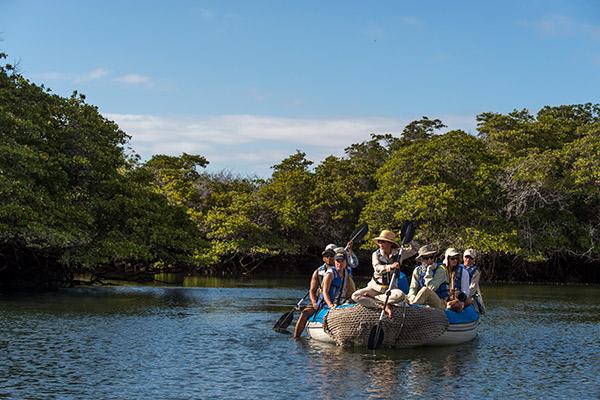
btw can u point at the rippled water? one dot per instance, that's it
(217, 342)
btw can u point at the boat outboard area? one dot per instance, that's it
(349, 325)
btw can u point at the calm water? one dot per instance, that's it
(217, 342)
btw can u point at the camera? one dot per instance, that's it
(460, 296)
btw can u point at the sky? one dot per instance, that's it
(247, 83)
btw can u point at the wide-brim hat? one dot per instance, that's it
(426, 250)
(387, 236)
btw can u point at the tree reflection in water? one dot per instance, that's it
(334, 372)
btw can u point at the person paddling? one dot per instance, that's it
(384, 264)
(316, 282)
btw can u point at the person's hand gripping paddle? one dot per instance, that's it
(286, 319)
(376, 334)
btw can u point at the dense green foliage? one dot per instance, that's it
(71, 199)
(69, 196)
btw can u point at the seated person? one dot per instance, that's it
(334, 290)
(474, 277)
(459, 281)
(316, 282)
(429, 283)
(384, 264)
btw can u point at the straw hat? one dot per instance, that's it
(426, 250)
(387, 236)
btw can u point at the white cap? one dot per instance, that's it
(469, 252)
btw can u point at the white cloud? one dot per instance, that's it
(206, 13)
(562, 25)
(93, 75)
(251, 144)
(133, 79)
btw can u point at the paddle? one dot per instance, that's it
(376, 335)
(286, 319)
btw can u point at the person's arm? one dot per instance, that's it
(414, 284)
(474, 286)
(353, 262)
(314, 288)
(464, 282)
(378, 266)
(326, 285)
(381, 268)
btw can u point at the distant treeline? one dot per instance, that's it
(525, 191)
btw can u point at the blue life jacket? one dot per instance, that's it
(471, 270)
(334, 289)
(442, 290)
(402, 282)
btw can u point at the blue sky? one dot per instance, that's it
(246, 83)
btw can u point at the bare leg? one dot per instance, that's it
(302, 320)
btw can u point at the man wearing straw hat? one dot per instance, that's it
(384, 264)
(429, 283)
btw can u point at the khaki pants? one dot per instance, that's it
(373, 296)
(428, 297)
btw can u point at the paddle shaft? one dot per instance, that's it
(389, 291)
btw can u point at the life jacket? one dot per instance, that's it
(458, 278)
(471, 270)
(334, 289)
(321, 274)
(402, 282)
(442, 290)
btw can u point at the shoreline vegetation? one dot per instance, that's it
(524, 191)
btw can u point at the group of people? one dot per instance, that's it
(443, 285)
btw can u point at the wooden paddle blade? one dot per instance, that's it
(284, 321)
(359, 233)
(375, 337)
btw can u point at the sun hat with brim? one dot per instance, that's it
(387, 236)
(451, 252)
(470, 253)
(426, 250)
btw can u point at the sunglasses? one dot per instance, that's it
(428, 257)
(469, 257)
(453, 258)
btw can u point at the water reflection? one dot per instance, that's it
(402, 372)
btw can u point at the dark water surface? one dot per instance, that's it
(216, 342)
